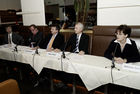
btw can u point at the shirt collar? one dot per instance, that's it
(79, 36)
(127, 41)
(10, 34)
(55, 35)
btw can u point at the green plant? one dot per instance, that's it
(81, 8)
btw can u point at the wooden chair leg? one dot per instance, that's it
(98, 92)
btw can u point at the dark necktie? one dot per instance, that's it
(77, 44)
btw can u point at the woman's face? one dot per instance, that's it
(120, 36)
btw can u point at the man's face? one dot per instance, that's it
(33, 30)
(77, 29)
(54, 30)
(8, 29)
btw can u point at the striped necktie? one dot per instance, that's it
(77, 44)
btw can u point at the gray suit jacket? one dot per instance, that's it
(16, 39)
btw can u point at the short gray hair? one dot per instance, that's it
(81, 25)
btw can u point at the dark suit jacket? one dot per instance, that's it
(16, 39)
(58, 41)
(130, 52)
(36, 38)
(83, 45)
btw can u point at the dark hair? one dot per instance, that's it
(33, 25)
(125, 29)
(8, 26)
(55, 25)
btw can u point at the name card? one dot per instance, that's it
(54, 54)
(134, 68)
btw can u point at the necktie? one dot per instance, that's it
(51, 42)
(9, 39)
(77, 44)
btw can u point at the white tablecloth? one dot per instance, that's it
(91, 69)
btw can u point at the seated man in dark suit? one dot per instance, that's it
(79, 44)
(78, 41)
(54, 40)
(36, 36)
(12, 37)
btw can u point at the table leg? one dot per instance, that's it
(74, 86)
(51, 81)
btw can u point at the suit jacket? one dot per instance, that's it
(16, 39)
(37, 38)
(130, 51)
(83, 45)
(57, 43)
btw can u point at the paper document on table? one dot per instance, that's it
(29, 51)
(1, 46)
(77, 57)
(7, 46)
(118, 65)
(23, 48)
(41, 50)
(54, 54)
(130, 67)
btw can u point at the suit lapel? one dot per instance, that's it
(6, 38)
(81, 39)
(55, 39)
(12, 36)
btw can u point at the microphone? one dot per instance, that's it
(16, 48)
(63, 52)
(36, 51)
(113, 61)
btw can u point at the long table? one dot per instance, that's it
(90, 68)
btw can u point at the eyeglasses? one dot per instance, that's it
(119, 33)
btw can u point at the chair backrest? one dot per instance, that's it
(9, 86)
(68, 32)
(98, 92)
(101, 38)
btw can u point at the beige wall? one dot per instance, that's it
(10, 4)
(116, 12)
